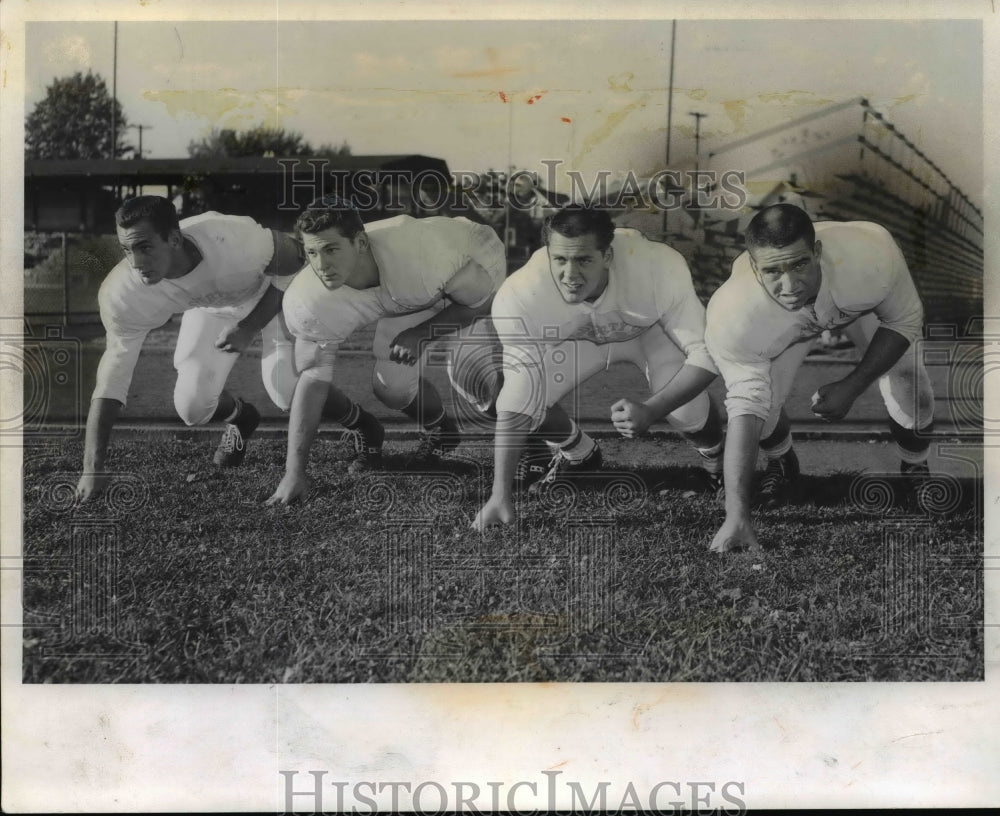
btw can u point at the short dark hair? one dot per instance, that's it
(576, 221)
(779, 225)
(157, 210)
(327, 212)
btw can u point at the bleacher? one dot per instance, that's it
(873, 174)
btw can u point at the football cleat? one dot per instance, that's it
(233, 446)
(533, 464)
(776, 484)
(916, 470)
(916, 476)
(367, 443)
(561, 468)
(434, 444)
(713, 483)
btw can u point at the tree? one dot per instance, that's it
(73, 121)
(260, 141)
(328, 151)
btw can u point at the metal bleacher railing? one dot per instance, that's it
(847, 162)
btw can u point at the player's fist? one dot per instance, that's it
(293, 486)
(234, 339)
(495, 511)
(833, 400)
(630, 418)
(91, 485)
(406, 346)
(735, 534)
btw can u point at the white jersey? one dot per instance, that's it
(648, 284)
(228, 282)
(420, 262)
(863, 271)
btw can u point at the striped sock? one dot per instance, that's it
(236, 412)
(578, 446)
(712, 457)
(352, 418)
(780, 449)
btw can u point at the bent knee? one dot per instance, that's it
(392, 388)
(691, 416)
(280, 386)
(194, 411)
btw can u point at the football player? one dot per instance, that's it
(226, 274)
(795, 280)
(418, 280)
(592, 296)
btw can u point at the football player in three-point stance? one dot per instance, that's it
(592, 296)
(418, 279)
(226, 274)
(795, 280)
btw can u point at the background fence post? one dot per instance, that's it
(65, 251)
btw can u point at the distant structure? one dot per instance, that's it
(82, 196)
(844, 163)
(69, 207)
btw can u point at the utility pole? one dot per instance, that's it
(697, 166)
(140, 129)
(697, 136)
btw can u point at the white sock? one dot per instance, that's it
(711, 458)
(780, 449)
(229, 420)
(912, 457)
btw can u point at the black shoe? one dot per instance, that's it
(561, 468)
(915, 480)
(434, 444)
(367, 440)
(776, 484)
(714, 484)
(233, 446)
(533, 464)
(919, 470)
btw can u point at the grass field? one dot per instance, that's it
(182, 575)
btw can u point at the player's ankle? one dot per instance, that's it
(578, 446)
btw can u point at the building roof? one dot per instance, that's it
(166, 171)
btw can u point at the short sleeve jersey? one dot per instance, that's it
(648, 283)
(863, 271)
(228, 281)
(420, 262)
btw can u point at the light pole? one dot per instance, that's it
(670, 110)
(114, 95)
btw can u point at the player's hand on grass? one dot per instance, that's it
(834, 400)
(495, 511)
(631, 418)
(405, 348)
(235, 340)
(293, 486)
(91, 485)
(735, 534)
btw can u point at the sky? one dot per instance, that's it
(592, 95)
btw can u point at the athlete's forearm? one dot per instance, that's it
(883, 352)
(685, 385)
(511, 432)
(101, 419)
(303, 420)
(451, 318)
(267, 307)
(742, 439)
